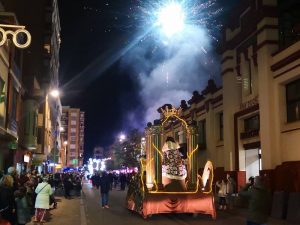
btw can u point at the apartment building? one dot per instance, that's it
(10, 97)
(73, 135)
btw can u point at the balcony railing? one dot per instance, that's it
(249, 134)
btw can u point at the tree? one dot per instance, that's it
(54, 155)
(127, 152)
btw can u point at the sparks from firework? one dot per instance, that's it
(169, 21)
(142, 17)
(171, 16)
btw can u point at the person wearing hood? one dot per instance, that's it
(259, 202)
(104, 189)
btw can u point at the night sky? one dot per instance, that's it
(91, 76)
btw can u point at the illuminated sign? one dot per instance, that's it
(26, 158)
(19, 30)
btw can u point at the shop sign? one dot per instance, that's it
(74, 161)
(13, 145)
(249, 103)
(26, 158)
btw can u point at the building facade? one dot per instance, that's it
(73, 135)
(10, 98)
(251, 125)
(81, 137)
(40, 111)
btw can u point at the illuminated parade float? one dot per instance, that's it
(168, 182)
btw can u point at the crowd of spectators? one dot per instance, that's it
(28, 196)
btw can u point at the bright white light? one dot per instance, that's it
(54, 93)
(122, 137)
(103, 166)
(171, 19)
(65, 142)
(61, 129)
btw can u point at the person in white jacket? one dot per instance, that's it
(43, 191)
(222, 194)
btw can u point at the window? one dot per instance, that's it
(289, 22)
(2, 90)
(73, 122)
(73, 130)
(202, 134)
(2, 102)
(251, 123)
(221, 126)
(247, 79)
(73, 115)
(40, 135)
(293, 101)
(47, 48)
(72, 154)
(14, 105)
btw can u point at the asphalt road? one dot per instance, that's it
(86, 210)
(117, 214)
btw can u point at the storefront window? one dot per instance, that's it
(293, 101)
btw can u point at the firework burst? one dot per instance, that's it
(174, 16)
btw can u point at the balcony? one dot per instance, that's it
(249, 134)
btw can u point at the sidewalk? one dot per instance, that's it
(67, 212)
(243, 213)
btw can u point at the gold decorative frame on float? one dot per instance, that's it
(169, 113)
(18, 30)
(150, 196)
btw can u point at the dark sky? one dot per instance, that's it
(92, 31)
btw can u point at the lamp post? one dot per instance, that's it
(54, 93)
(65, 145)
(122, 137)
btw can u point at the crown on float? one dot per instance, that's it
(167, 112)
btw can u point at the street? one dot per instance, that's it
(118, 214)
(86, 210)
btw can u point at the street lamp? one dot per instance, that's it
(54, 93)
(66, 158)
(61, 129)
(122, 137)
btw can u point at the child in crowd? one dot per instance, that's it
(222, 194)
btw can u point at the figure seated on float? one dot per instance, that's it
(164, 183)
(174, 170)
